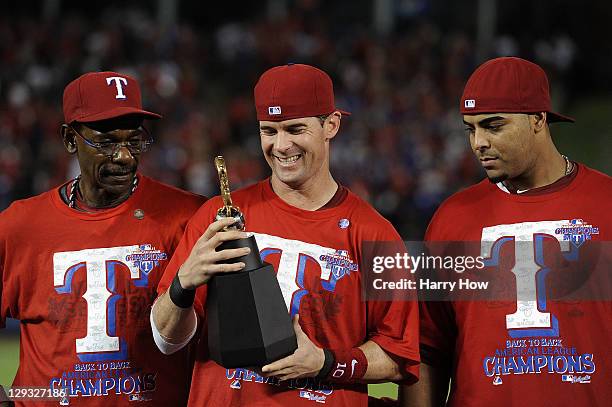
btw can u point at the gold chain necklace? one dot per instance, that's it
(569, 166)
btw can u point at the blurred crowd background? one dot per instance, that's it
(398, 65)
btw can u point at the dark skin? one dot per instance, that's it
(514, 148)
(106, 181)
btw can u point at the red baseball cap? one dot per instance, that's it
(509, 85)
(98, 96)
(294, 90)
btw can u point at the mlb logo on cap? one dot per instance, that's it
(274, 110)
(470, 103)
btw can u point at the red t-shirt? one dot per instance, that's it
(82, 285)
(536, 352)
(303, 247)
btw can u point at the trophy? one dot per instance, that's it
(248, 321)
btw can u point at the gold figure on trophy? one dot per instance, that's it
(228, 210)
(248, 321)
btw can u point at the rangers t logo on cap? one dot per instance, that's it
(98, 96)
(119, 81)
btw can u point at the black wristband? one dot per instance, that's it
(181, 297)
(327, 364)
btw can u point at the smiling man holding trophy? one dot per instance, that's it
(312, 231)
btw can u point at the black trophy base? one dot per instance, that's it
(248, 322)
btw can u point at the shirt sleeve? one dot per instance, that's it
(437, 318)
(8, 293)
(3, 308)
(438, 332)
(394, 324)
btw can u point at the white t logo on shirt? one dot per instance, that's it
(531, 317)
(100, 267)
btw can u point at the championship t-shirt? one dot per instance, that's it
(316, 256)
(530, 350)
(82, 285)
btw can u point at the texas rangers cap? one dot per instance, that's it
(509, 85)
(98, 96)
(294, 90)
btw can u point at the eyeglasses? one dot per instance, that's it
(138, 143)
